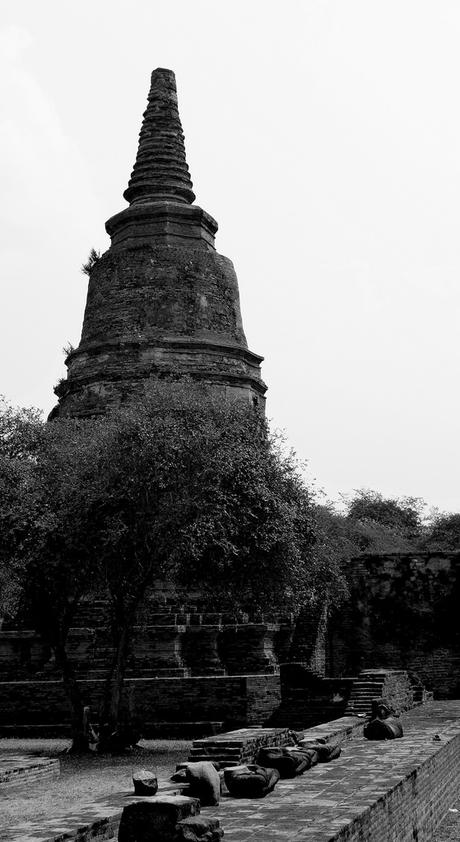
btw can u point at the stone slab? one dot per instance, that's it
(239, 746)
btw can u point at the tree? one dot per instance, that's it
(181, 485)
(19, 435)
(382, 524)
(93, 257)
(47, 562)
(443, 533)
(195, 489)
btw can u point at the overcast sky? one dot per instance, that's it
(324, 137)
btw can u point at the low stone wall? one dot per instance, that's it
(229, 701)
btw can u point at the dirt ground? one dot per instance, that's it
(83, 778)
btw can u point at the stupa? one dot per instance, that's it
(161, 301)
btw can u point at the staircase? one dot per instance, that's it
(365, 688)
(400, 689)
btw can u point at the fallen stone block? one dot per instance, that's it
(156, 818)
(203, 779)
(288, 765)
(145, 782)
(199, 829)
(204, 782)
(325, 751)
(289, 762)
(383, 729)
(250, 781)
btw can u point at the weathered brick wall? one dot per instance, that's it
(311, 701)
(309, 640)
(153, 310)
(233, 700)
(403, 614)
(163, 290)
(169, 643)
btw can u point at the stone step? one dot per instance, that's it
(223, 760)
(214, 750)
(182, 730)
(366, 692)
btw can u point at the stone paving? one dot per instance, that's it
(65, 825)
(314, 806)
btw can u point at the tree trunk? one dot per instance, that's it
(115, 730)
(79, 724)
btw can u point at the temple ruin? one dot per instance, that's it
(161, 301)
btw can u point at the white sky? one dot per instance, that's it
(324, 136)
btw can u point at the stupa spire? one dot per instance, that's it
(162, 302)
(161, 172)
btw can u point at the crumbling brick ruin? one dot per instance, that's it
(161, 301)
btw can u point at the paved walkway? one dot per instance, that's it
(314, 806)
(328, 797)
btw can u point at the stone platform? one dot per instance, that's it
(393, 791)
(22, 771)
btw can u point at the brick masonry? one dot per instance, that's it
(393, 686)
(310, 700)
(167, 644)
(402, 614)
(227, 700)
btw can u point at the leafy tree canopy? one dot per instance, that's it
(182, 486)
(443, 532)
(381, 524)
